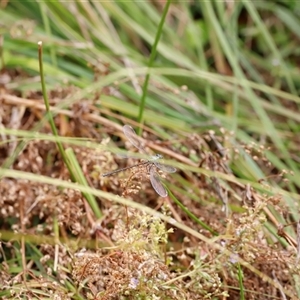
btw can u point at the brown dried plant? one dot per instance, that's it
(134, 268)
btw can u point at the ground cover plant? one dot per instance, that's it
(211, 86)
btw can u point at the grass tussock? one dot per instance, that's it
(210, 86)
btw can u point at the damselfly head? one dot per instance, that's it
(157, 156)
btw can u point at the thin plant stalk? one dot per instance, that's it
(75, 176)
(150, 63)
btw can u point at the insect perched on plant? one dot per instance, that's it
(151, 163)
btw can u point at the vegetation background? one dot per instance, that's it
(211, 85)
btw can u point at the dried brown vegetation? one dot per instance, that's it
(133, 255)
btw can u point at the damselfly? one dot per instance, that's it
(152, 162)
